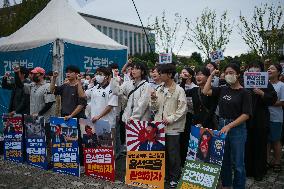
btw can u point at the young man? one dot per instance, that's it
(19, 102)
(71, 92)
(42, 101)
(103, 101)
(73, 98)
(169, 101)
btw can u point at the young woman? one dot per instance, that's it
(136, 94)
(187, 83)
(234, 110)
(203, 106)
(256, 146)
(276, 117)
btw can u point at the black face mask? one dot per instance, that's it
(222, 82)
(36, 79)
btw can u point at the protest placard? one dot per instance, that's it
(255, 79)
(216, 55)
(98, 149)
(165, 58)
(65, 150)
(204, 159)
(13, 138)
(145, 154)
(36, 147)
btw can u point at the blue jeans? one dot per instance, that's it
(234, 156)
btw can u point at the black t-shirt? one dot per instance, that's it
(70, 100)
(233, 102)
(205, 110)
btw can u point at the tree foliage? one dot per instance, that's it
(165, 34)
(266, 25)
(209, 33)
(14, 17)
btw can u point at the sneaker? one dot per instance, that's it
(173, 184)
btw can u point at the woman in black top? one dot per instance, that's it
(203, 106)
(256, 146)
(234, 110)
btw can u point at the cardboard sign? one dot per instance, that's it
(255, 79)
(165, 58)
(98, 149)
(204, 159)
(13, 138)
(145, 154)
(216, 55)
(65, 150)
(36, 147)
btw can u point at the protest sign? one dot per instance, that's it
(255, 79)
(36, 147)
(13, 138)
(145, 154)
(204, 159)
(65, 150)
(165, 58)
(216, 55)
(98, 149)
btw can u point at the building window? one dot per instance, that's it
(105, 30)
(116, 35)
(99, 27)
(139, 43)
(135, 43)
(120, 36)
(110, 32)
(143, 43)
(130, 43)
(125, 38)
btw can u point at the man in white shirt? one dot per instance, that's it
(103, 101)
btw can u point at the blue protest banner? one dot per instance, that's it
(35, 137)
(65, 149)
(89, 59)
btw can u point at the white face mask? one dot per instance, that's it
(100, 78)
(231, 79)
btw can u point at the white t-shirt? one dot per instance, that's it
(276, 112)
(100, 98)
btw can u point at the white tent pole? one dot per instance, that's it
(58, 59)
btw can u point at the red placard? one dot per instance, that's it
(99, 163)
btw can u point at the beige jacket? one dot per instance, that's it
(171, 104)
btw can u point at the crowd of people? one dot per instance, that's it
(252, 119)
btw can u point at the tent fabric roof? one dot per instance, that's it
(58, 20)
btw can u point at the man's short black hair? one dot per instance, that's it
(106, 71)
(205, 71)
(114, 66)
(72, 68)
(167, 69)
(154, 126)
(24, 71)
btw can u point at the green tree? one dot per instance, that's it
(264, 28)
(209, 33)
(166, 35)
(14, 17)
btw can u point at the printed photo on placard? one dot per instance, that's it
(145, 136)
(103, 131)
(65, 150)
(145, 154)
(88, 134)
(36, 147)
(98, 158)
(13, 138)
(204, 158)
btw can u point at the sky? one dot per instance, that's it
(123, 10)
